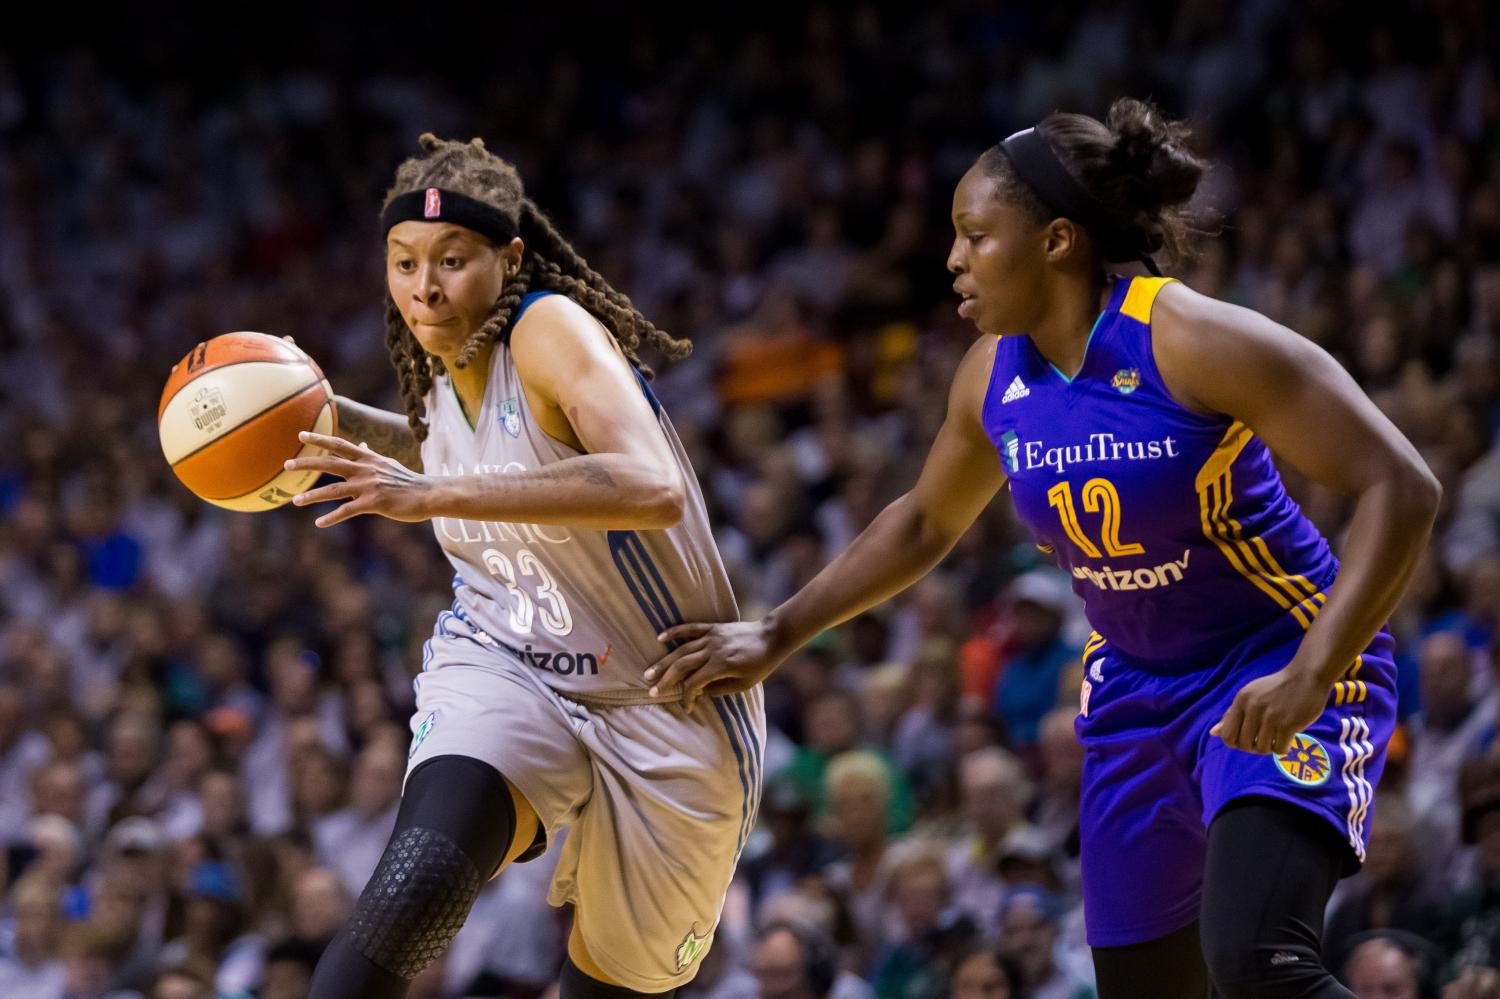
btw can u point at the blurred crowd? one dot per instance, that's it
(203, 715)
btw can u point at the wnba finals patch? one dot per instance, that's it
(1126, 380)
(1306, 762)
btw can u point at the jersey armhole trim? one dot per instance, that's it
(527, 300)
(1140, 299)
(989, 390)
(1149, 357)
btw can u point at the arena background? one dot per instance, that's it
(203, 715)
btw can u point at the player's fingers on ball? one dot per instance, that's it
(321, 463)
(336, 490)
(334, 445)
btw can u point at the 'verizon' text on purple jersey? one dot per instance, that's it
(1175, 527)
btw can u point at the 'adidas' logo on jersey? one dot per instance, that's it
(1017, 390)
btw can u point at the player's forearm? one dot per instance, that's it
(1391, 525)
(898, 548)
(607, 491)
(385, 432)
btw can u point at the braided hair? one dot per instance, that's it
(549, 264)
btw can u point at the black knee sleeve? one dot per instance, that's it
(466, 800)
(416, 902)
(574, 984)
(453, 829)
(1270, 869)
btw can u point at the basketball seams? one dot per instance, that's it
(319, 383)
(248, 501)
(236, 351)
(252, 417)
(327, 404)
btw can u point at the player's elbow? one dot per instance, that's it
(663, 503)
(1418, 490)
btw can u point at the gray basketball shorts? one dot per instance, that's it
(658, 800)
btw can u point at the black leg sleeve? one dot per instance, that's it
(453, 829)
(1271, 867)
(1169, 967)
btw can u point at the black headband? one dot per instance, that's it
(1040, 169)
(437, 205)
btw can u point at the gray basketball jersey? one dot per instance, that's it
(580, 606)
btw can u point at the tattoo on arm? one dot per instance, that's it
(385, 432)
(598, 474)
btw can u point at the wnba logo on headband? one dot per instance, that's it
(434, 204)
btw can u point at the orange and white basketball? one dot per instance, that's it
(230, 415)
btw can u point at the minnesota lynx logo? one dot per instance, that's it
(208, 409)
(692, 947)
(510, 417)
(422, 731)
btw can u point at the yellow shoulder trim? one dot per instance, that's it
(1141, 296)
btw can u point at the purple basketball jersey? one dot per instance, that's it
(1175, 527)
(1199, 574)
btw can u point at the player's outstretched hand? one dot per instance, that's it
(714, 659)
(372, 482)
(1268, 712)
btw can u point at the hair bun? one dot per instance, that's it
(1151, 154)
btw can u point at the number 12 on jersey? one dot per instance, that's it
(1099, 496)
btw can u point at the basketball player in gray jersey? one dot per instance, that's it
(563, 498)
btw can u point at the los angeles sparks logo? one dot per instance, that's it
(1126, 380)
(1306, 762)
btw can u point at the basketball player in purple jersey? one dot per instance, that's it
(1239, 690)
